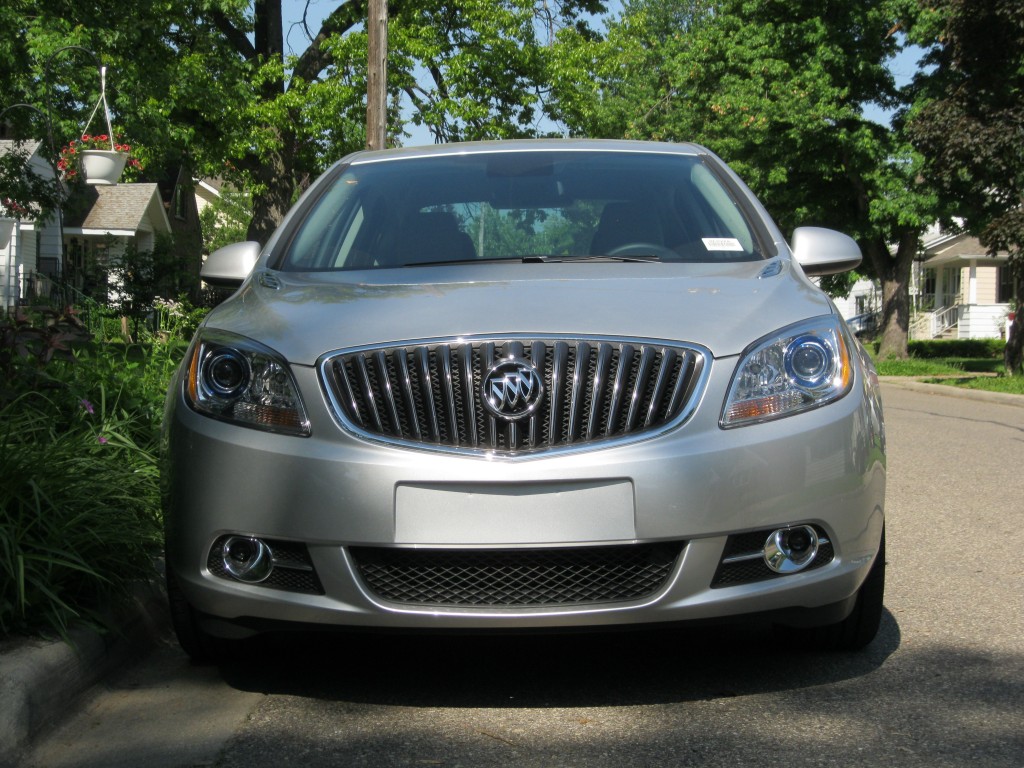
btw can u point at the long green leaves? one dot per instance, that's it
(79, 487)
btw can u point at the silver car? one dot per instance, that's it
(526, 385)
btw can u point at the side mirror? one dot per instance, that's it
(825, 251)
(228, 267)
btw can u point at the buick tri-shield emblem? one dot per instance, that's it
(512, 389)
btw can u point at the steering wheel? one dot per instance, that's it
(640, 248)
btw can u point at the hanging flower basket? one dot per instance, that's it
(102, 166)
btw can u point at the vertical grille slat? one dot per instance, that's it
(619, 387)
(401, 361)
(423, 364)
(579, 389)
(559, 386)
(491, 421)
(448, 393)
(668, 364)
(636, 396)
(430, 394)
(381, 363)
(469, 401)
(597, 386)
(538, 354)
(366, 385)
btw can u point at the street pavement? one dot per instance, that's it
(943, 685)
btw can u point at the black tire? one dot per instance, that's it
(202, 647)
(859, 628)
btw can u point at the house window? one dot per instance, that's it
(1004, 290)
(928, 289)
(179, 203)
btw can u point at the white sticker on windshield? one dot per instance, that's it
(722, 244)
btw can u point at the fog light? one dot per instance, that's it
(789, 550)
(247, 559)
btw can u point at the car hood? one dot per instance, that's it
(723, 307)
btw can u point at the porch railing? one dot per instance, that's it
(931, 325)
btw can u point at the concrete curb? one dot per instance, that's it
(40, 680)
(948, 390)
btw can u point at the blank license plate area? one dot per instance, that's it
(555, 513)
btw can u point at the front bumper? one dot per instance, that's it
(696, 486)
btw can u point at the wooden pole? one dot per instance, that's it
(377, 80)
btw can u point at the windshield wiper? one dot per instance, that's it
(449, 262)
(555, 259)
(541, 258)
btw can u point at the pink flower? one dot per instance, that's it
(102, 440)
(87, 405)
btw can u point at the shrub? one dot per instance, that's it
(78, 524)
(79, 486)
(954, 348)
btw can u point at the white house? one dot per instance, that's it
(102, 221)
(97, 224)
(959, 291)
(25, 242)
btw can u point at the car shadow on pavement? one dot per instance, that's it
(564, 670)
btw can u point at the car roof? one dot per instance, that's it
(524, 145)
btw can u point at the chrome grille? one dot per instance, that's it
(516, 578)
(430, 394)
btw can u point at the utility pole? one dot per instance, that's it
(377, 79)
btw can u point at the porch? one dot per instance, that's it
(960, 292)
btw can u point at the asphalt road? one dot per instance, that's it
(943, 685)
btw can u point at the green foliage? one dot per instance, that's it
(1011, 385)
(966, 348)
(137, 279)
(969, 123)
(914, 367)
(23, 192)
(226, 219)
(77, 512)
(79, 491)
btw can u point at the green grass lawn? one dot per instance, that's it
(955, 372)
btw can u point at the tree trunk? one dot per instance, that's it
(894, 274)
(273, 172)
(276, 185)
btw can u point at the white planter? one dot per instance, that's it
(102, 166)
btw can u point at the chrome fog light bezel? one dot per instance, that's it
(782, 556)
(256, 567)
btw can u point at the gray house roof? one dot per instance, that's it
(10, 145)
(121, 207)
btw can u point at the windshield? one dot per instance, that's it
(523, 205)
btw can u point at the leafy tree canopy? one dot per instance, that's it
(777, 89)
(212, 78)
(970, 124)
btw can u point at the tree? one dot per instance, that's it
(970, 126)
(777, 89)
(231, 96)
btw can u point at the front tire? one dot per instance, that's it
(859, 628)
(202, 647)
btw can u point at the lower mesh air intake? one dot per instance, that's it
(516, 577)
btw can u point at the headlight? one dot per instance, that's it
(796, 369)
(235, 379)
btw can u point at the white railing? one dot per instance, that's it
(931, 325)
(972, 321)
